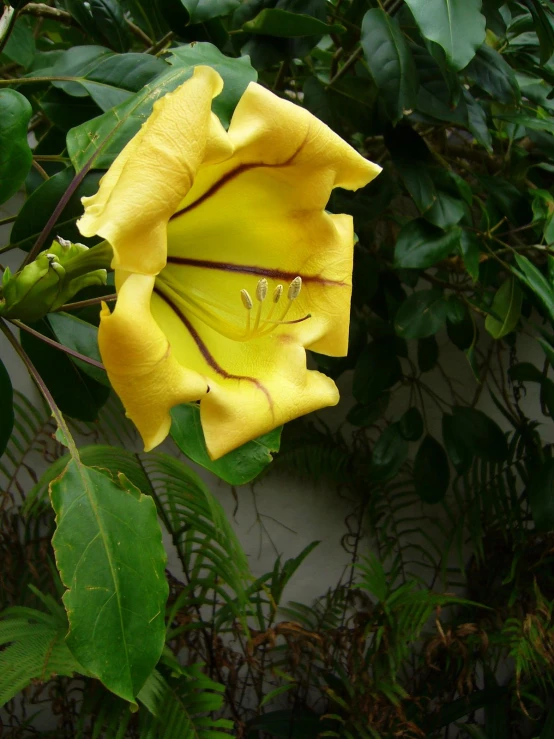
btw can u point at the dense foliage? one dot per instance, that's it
(443, 622)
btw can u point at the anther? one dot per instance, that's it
(261, 289)
(294, 288)
(277, 293)
(246, 299)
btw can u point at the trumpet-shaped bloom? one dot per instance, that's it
(227, 265)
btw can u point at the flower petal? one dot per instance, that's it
(140, 363)
(261, 214)
(153, 173)
(254, 386)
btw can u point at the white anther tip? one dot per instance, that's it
(246, 299)
(294, 288)
(277, 293)
(261, 289)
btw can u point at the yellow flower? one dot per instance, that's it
(227, 264)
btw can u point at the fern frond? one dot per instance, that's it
(178, 707)
(32, 647)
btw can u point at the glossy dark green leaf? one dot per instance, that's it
(471, 253)
(388, 455)
(21, 46)
(543, 28)
(477, 121)
(547, 395)
(463, 333)
(457, 449)
(109, 552)
(494, 75)
(281, 23)
(481, 434)
(15, 154)
(410, 425)
(427, 353)
(414, 162)
(525, 372)
(365, 415)
(108, 78)
(6, 408)
(390, 62)
(66, 111)
(38, 208)
(456, 25)
(421, 315)
(540, 491)
(147, 15)
(431, 471)
(105, 136)
(201, 11)
(237, 467)
(509, 200)
(446, 211)
(420, 244)
(378, 369)
(83, 338)
(505, 309)
(104, 20)
(76, 394)
(531, 276)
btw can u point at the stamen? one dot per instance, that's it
(246, 299)
(261, 289)
(294, 288)
(277, 293)
(247, 302)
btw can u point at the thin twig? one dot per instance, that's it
(9, 219)
(40, 170)
(139, 33)
(159, 45)
(41, 10)
(352, 59)
(85, 303)
(56, 344)
(60, 420)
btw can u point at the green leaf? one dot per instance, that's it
(103, 138)
(201, 11)
(15, 154)
(456, 25)
(543, 28)
(37, 209)
(431, 471)
(147, 16)
(103, 20)
(83, 338)
(470, 251)
(477, 121)
(365, 415)
(494, 75)
(413, 160)
(421, 315)
(427, 353)
(536, 282)
(525, 372)
(540, 491)
(76, 394)
(390, 62)
(420, 244)
(6, 405)
(108, 78)
(21, 46)
(548, 728)
(505, 309)
(481, 434)
(109, 552)
(377, 369)
(277, 22)
(446, 211)
(388, 455)
(411, 424)
(237, 467)
(458, 451)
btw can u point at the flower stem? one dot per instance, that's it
(85, 303)
(56, 344)
(58, 416)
